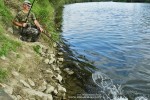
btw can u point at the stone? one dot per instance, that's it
(61, 89)
(46, 61)
(32, 99)
(31, 82)
(44, 83)
(2, 85)
(55, 92)
(32, 92)
(14, 97)
(14, 73)
(49, 71)
(49, 89)
(52, 60)
(43, 54)
(19, 97)
(10, 30)
(8, 90)
(51, 51)
(70, 72)
(62, 95)
(25, 83)
(44, 98)
(60, 53)
(57, 69)
(3, 57)
(61, 66)
(53, 67)
(45, 49)
(42, 88)
(52, 55)
(54, 45)
(59, 78)
(67, 70)
(61, 59)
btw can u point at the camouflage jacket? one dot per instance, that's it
(21, 17)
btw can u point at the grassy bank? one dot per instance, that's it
(7, 44)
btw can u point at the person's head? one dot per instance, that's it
(26, 5)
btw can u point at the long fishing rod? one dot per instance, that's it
(29, 11)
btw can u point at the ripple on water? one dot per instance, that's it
(115, 38)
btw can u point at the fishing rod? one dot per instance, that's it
(28, 15)
(29, 11)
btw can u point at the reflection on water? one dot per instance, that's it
(115, 37)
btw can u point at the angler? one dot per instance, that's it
(29, 27)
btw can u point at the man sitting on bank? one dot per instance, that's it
(29, 27)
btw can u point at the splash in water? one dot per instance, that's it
(110, 91)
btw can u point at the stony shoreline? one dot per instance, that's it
(44, 83)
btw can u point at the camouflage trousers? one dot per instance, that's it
(30, 34)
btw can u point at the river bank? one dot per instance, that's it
(30, 71)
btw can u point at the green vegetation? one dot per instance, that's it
(45, 15)
(37, 49)
(5, 15)
(3, 75)
(7, 44)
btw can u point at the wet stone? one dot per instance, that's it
(61, 59)
(60, 53)
(67, 70)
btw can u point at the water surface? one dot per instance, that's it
(115, 38)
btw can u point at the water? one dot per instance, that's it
(115, 38)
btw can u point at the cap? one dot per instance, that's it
(27, 2)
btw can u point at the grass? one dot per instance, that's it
(5, 14)
(7, 44)
(3, 75)
(37, 49)
(46, 16)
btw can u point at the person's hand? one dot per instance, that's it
(24, 24)
(41, 29)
